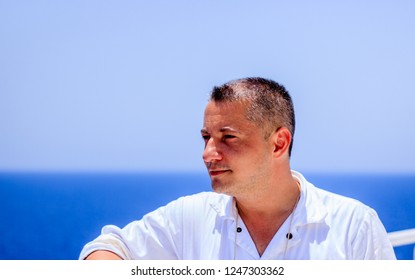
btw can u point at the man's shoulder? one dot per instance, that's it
(337, 203)
(336, 198)
(317, 196)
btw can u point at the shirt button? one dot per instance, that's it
(238, 229)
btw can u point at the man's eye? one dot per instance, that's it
(205, 137)
(228, 136)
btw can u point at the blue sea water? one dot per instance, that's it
(50, 216)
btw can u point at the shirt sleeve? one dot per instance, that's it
(157, 236)
(372, 242)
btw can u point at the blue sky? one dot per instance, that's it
(121, 85)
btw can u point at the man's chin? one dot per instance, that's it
(220, 188)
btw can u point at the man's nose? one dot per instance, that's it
(211, 152)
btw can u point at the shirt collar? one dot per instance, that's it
(309, 209)
(225, 207)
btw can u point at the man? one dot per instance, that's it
(260, 208)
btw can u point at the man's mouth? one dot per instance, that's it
(218, 172)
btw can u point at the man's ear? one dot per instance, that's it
(281, 141)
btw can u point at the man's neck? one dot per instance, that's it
(264, 214)
(273, 201)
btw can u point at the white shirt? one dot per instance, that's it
(203, 226)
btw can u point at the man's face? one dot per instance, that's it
(236, 155)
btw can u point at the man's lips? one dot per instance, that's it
(217, 172)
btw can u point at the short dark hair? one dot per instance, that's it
(269, 103)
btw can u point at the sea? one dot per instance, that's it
(50, 216)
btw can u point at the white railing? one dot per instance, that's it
(403, 237)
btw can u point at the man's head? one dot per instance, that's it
(247, 130)
(268, 103)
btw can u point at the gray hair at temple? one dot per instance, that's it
(269, 104)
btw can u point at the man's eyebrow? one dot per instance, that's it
(223, 129)
(227, 129)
